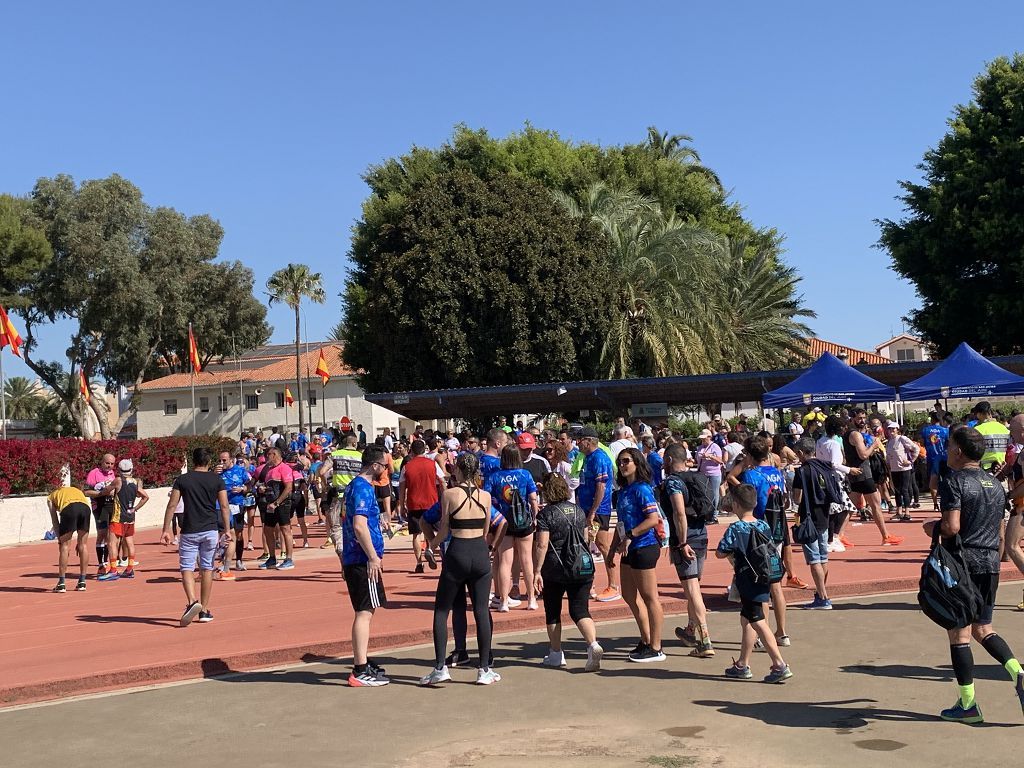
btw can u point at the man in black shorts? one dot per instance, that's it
(972, 504)
(72, 507)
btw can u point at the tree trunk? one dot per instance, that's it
(298, 374)
(102, 411)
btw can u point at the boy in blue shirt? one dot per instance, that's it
(935, 436)
(753, 594)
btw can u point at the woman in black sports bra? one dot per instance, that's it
(465, 516)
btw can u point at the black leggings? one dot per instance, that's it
(578, 593)
(466, 565)
(901, 482)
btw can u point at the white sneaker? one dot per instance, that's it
(487, 676)
(502, 608)
(594, 655)
(554, 659)
(513, 603)
(837, 546)
(436, 676)
(239, 565)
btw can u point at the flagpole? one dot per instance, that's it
(3, 395)
(241, 397)
(192, 378)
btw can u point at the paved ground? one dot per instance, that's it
(53, 646)
(870, 677)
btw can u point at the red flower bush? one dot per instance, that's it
(34, 466)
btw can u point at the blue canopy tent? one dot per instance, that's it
(965, 373)
(829, 381)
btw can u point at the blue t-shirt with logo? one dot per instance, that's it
(501, 483)
(636, 505)
(488, 466)
(935, 438)
(235, 475)
(597, 468)
(763, 479)
(657, 464)
(360, 499)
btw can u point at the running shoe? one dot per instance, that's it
(80, 586)
(783, 641)
(608, 594)
(796, 582)
(759, 646)
(892, 541)
(846, 542)
(223, 575)
(249, 546)
(110, 574)
(436, 677)
(457, 658)
(239, 565)
(778, 674)
(418, 568)
(367, 679)
(263, 557)
(326, 544)
(205, 617)
(513, 602)
(1020, 605)
(1020, 689)
(647, 655)
(121, 562)
(736, 672)
(305, 545)
(191, 611)
(594, 655)
(174, 541)
(286, 564)
(428, 553)
(598, 558)
(554, 659)
(703, 650)
(836, 546)
(487, 676)
(128, 573)
(818, 604)
(61, 587)
(268, 565)
(686, 636)
(958, 714)
(376, 669)
(532, 605)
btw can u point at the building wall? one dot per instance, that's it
(342, 397)
(890, 351)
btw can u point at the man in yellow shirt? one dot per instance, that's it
(69, 513)
(997, 437)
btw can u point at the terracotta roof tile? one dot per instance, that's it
(816, 347)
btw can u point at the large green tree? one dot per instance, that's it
(290, 285)
(962, 241)
(24, 250)
(131, 278)
(473, 281)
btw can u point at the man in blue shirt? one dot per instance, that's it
(362, 550)
(934, 436)
(490, 460)
(236, 479)
(595, 497)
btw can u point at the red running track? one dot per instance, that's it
(125, 633)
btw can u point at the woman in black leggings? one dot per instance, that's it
(465, 515)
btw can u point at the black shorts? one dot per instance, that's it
(102, 515)
(751, 610)
(74, 517)
(533, 529)
(642, 558)
(382, 491)
(315, 490)
(281, 515)
(863, 485)
(604, 522)
(300, 505)
(988, 585)
(414, 521)
(364, 594)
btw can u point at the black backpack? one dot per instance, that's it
(762, 558)
(775, 514)
(701, 504)
(947, 594)
(519, 518)
(578, 564)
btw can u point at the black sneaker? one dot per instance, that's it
(80, 586)
(428, 553)
(647, 655)
(60, 587)
(418, 568)
(205, 617)
(375, 669)
(457, 659)
(191, 611)
(638, 650)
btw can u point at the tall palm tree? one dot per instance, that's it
(291, 285)
(24, 398)
(676, 147)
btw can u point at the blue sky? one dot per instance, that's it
(265, 115)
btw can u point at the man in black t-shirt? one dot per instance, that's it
(809, 494)
(204, 498)
(972, 504)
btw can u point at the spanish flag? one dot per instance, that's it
(8, 335)
(321, 369)
(83, 387)
(288, 399)
(193, 351)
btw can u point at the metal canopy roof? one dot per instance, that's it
(619, 394)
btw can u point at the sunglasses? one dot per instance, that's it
(625, 460)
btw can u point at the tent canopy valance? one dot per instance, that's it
(965, 373)
(829, 381)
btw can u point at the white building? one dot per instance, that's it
(249, 394)
(903, 349)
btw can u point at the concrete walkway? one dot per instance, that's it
(126, 633)
(869, 679)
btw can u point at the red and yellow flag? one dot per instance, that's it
(8, 335)
(288, 396)
(193, 351)
(321, 369)
(83, 386)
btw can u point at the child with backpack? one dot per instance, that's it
(815, 491)
(748, 544)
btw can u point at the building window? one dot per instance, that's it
(170, 407)
(312, 397)
(279, 397)
(905, 355)
(222, 403)
(252, 402)
(204, 405)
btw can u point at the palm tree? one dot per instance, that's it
(24, 398)
(290, 285)
(677, 149)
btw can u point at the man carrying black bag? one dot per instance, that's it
(972, 504)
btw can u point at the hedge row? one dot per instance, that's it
(34, 466)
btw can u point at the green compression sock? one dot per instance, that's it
(1014, 668)
(966, 695)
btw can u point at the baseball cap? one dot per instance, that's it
(705, 433)
(589, 431)
(125, 465)
(526, 440)
(891, 425)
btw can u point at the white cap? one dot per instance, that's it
(125, 465)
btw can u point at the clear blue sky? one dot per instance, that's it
(265, 115)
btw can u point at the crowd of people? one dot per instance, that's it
(524, 517)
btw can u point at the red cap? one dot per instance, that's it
(526, 440)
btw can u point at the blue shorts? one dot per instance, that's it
(936, 466)
(816, 553)
(197, 545)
